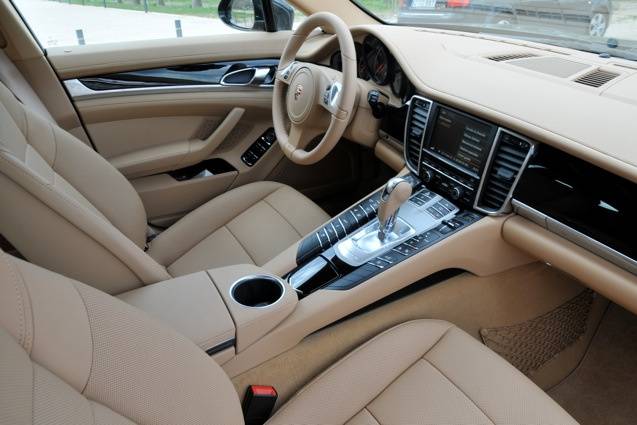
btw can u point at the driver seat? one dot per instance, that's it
(67, 209)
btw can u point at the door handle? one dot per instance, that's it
(248, 77)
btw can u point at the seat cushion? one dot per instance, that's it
(70, 354)
(422, 372)
(248, 225)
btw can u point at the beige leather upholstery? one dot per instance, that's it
(71, 354)
(69, 210)
(248, 225)
(422, 372)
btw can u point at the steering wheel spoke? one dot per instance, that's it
(296, 136)
(286, 74)
(330, 97)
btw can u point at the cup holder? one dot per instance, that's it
(257, 291)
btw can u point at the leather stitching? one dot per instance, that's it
(461, 390)
(175, 228)
(354, 352)
(20, 301)
(74, 205)
(371, 414)
(90, 328)
(55, 147)
(408, 367)
(32, 392)
(282, 216)
(26, 332)
(239, 242)
(71, 202)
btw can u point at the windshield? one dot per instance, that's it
(608, 27)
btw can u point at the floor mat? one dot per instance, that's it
(603, 389)
(529, 345)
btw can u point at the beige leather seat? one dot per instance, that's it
(70, 354)
(66, 208)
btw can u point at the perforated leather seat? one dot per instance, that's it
(66, 208)
(70, 354)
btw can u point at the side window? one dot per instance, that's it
(62, 23)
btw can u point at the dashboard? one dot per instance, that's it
(376, 63)
(493, 170)
(501, 126)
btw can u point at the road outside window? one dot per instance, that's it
(76, 22)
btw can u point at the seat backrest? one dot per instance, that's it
(71, 354)
(66, 208)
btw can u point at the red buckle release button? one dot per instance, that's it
(258, 404)
(263, 391)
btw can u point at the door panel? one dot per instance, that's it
(151, 122)
(149, 134)
(154, 108)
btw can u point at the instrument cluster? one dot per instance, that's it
(376, 63)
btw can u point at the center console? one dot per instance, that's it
(461, 168)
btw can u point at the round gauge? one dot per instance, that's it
(336, 61)
(400, 83)
(377, 60)
(360, 62)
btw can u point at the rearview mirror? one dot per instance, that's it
(248, 15)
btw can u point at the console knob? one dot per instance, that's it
(427, 176)
(456, 192)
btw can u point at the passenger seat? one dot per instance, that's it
(71, 354)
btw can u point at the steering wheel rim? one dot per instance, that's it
(304, 93)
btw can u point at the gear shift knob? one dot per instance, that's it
(395, 193)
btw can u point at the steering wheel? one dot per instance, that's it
(316, 99)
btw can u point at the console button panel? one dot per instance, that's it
(344, 224)
(403, 251)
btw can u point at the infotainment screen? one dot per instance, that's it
(463, 140)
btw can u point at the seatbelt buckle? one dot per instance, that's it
(258, 404)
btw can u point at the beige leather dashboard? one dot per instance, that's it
(533, 96)
(536, 96)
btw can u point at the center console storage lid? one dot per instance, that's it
(190, 304)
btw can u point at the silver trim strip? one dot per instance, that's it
(353, 215)
(449, 177)
(334, 228)
(450, 163)
(344, 229)
(506, 207)
(79, 91)
(577, 237)
(422, 138)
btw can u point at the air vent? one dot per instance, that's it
(596, 78)
(508, 159)
(511, 56)
(416, 125)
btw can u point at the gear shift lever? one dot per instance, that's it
(395, 193)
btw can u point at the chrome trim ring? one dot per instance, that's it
(422, 138)
(272, 278)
